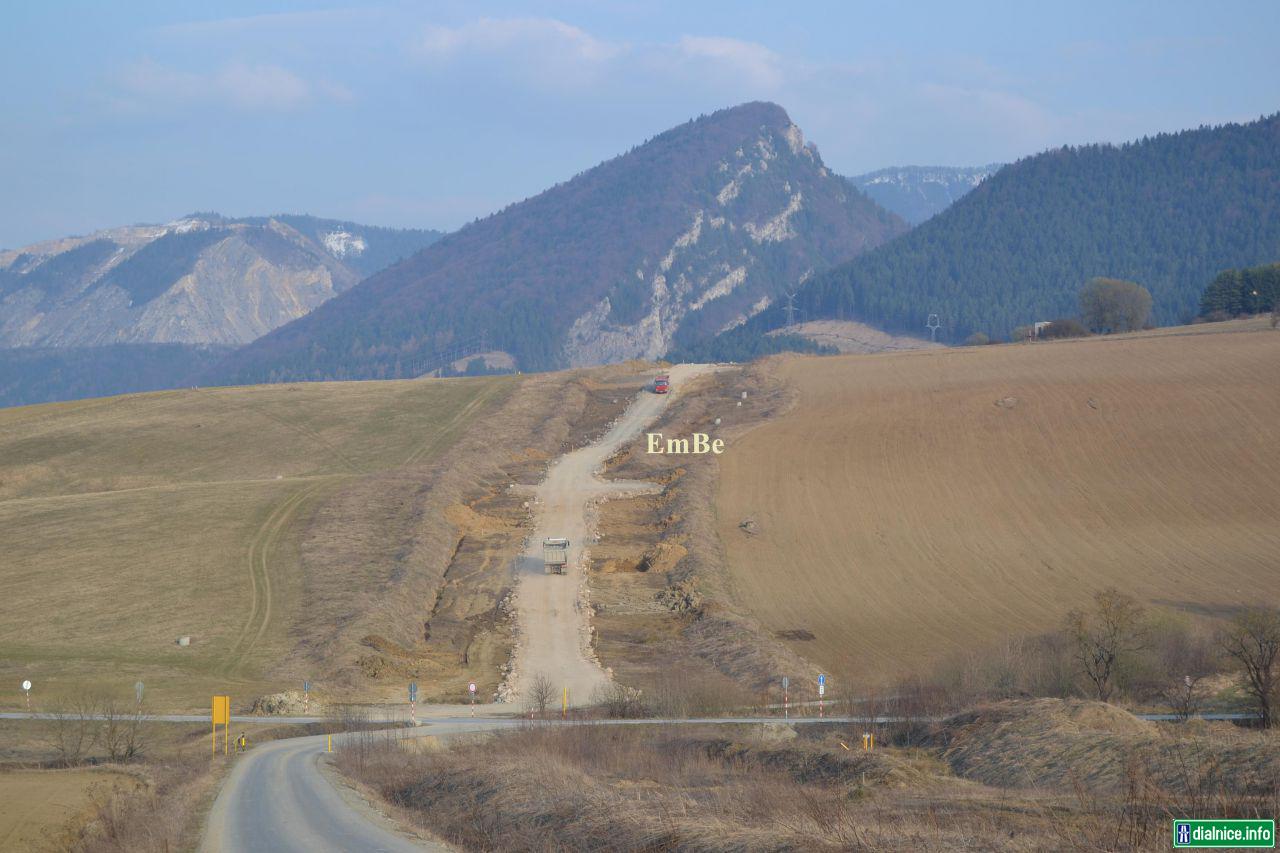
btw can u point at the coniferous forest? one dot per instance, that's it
(1168, 212)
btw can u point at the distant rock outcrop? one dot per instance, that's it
(917, 193)
(203, 279)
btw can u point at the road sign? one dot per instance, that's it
(822, 689)
(822, 679)
(221, 714)
(137, 689)
(306, 687)
(26, 685)
(413, 692)
(786, 682)
(472, 687)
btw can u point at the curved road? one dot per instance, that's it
(280, 796)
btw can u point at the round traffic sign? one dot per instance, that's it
(472, 687)
(26, 685)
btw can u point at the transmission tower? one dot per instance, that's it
(933, 324)
(791, 308)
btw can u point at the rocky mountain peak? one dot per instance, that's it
(687, 234)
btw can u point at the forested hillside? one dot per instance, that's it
(688, 234)
(47, 374)
(1168, 212)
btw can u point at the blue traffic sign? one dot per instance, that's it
(306, 687)
(413, 692)
(822, 679)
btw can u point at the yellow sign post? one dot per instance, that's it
(221, 715)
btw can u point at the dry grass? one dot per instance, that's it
(129, 521)
(1018, 776)
(43, 809)
(912, 505)
(1065, 745)
(591, 787)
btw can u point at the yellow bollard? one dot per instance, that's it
(330, 749)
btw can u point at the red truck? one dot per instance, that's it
(662, 384)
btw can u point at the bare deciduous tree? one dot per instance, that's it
(74, 728)
(1253, 641)
(122, 729)
(1186, 660)
(539, 694)
(1103, 637)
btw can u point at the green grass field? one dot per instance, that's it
(127, 522)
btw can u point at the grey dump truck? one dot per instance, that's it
(555, 555)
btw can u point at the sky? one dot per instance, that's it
(435, 114)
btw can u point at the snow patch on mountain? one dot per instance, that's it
(343, 243)
(186, 226)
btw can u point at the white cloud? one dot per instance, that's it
(240, 85)
(545, 37)
(757, 63)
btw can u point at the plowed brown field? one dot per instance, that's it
(919, 503)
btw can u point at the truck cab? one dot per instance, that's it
(662, 384)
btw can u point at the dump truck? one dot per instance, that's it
(555, 556)
(662, 384)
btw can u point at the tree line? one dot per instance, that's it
(1168, 211)
(1233, 292)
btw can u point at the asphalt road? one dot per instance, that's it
(283, 796)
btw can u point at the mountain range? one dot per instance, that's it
(691, 233)
(685, 246)
(203, 279)
(1167, 211)
(917, 193)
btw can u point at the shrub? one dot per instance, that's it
(1114, 305)
(977, 339)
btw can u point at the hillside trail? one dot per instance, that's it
(553, 636)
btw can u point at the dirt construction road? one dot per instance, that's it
(554, 632)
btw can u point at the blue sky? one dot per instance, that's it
(433, 114)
